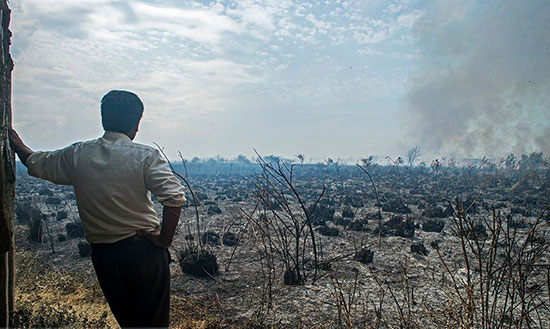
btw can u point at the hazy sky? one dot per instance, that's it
(340, 79)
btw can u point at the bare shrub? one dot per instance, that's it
(398, 285)
(412, 155)
(195, 259)
(345, 299)
(287, 232)
(500, 284)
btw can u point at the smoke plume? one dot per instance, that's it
(482, 86)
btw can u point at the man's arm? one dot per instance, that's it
(167, 190)
(52, 165)
(22, 150)
(164, 235)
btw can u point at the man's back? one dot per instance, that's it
(112, 178)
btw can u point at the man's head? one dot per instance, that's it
(121, 111)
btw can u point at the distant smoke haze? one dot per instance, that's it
(487, 89)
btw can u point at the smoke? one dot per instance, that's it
(482, 85)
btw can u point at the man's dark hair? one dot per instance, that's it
(120, 111)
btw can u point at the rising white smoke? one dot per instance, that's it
(482, 86)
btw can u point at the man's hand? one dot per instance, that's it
(163, 236)
(22, 150)
(152, 236)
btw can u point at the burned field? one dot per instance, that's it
(328, 245)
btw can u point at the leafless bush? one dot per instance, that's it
(345, 298)
(366, 162)
(500, 285)
(412, 155)
(284, 225)
(194, 259)
(401, 291)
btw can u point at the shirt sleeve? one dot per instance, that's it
(159, 179)
(52, 165)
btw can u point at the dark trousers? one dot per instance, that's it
(135, 278)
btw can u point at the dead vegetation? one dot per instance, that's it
(471, 252)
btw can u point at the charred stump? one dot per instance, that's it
(197, 264)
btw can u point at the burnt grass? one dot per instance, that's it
(364, 246)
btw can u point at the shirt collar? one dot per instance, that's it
(116, 136)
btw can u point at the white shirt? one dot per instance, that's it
(113, 179)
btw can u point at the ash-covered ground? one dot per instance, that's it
(416, 246)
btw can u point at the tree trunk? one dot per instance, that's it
(7, 175)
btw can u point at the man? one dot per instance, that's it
(113, 179)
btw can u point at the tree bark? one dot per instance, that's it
(7, 175)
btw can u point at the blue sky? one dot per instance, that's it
(340, 79)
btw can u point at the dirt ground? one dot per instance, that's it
(399, 286)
